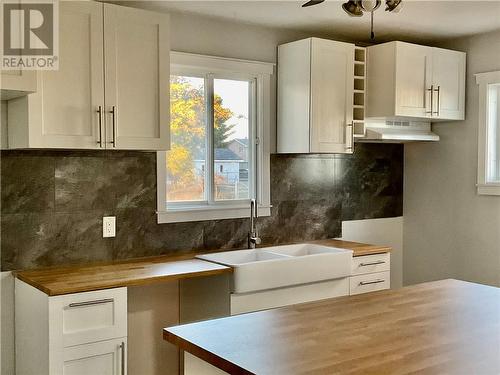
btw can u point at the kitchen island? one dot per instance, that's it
(447, 326)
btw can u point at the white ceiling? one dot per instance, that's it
(417, 21)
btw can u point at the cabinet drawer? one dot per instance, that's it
(369, 283)
(103, 358)
(371, 263)
(88, 317)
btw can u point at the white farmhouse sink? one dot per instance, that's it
(282, 266)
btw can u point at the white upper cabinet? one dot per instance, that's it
(413, 77)
(409, 81)
(315, 96)
(111, 89)
(448, 73)
(63, 111)
(137, 78)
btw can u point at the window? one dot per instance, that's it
(219, 125)
(489, 133)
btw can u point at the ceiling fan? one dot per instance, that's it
(355, 8)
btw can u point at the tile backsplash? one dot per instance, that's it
(52, 204)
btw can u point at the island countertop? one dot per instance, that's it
(446, 326)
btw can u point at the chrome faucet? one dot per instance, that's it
(253, 236)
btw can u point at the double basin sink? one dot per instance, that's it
(283, 266)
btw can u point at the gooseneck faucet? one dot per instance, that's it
(253, 236)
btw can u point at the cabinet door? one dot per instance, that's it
(137, 78)
(64, 112)
(413, 80)
(103, 358)
(448, 76)
(332, 85)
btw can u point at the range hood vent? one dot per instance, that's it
(398, 132)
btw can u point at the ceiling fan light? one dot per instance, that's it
(352, 8)
(370, 5)
(393, 6)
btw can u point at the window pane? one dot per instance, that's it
(231, 139)
(493, 174)
(187, 156)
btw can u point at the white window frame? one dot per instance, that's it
(259, 141)
(485, 187)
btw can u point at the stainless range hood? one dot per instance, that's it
(398, 132)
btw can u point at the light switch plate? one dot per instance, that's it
(109, 226)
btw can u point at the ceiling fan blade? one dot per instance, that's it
(312, 2)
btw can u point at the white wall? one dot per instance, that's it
(387, 232)
(450, 231)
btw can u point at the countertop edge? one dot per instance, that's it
(51, 292)
(358, 249)
(201, 353)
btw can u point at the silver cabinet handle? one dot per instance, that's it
(438, 90)
(371, 282)
(122, 350)
(350, 147)
(372, 263)
(113, 114)
(432, 100)
(90, 303)
(99, 111)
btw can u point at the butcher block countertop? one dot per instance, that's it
(143, 271)
(65, 280)
(441, 327)
(358, 249)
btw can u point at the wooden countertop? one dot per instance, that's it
(359, 249)
(65, 280)
(142, 271)
(442, 327)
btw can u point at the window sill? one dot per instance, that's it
(208, 213)
(488, 189)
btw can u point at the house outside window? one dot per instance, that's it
(489, 133)
(219, 125)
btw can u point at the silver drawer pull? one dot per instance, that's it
(372, 263)
(90, 303)
(371, 282)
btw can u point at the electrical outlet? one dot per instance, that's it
(109, 226)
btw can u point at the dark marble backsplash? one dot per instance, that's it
(52, 204)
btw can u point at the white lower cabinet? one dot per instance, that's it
(272, 298)
(369, 283)
(79, 333)
(103, 358)
(370, 273)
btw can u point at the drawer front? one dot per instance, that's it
(81, 318)
(102, 358)
(371, 263)
(369, 283)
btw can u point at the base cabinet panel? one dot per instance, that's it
(268, 299)
(79, 333)
(103, 358)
